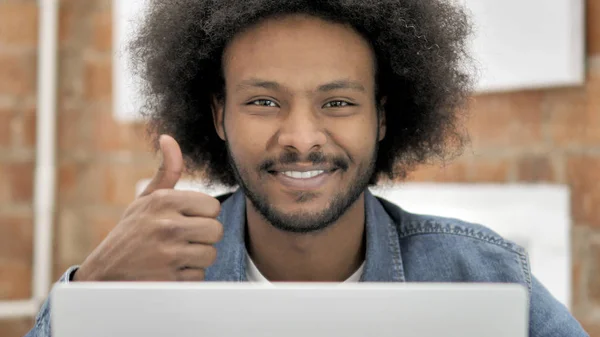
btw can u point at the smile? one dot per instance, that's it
(303, 175)
(303, 180)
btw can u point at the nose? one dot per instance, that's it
(302, 132)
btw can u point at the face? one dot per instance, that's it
(300, 119)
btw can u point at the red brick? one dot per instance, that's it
(21, 176)
(576, 279)
(593, 282)
(101, 224)
(71, 129)
(74, 19)
(97, 80)
(121, 181)
(72, 237)
(68, 183)
(456, 171)
(591, 327)
(4, 184)
(535, 169)
(19, 23)
(110, 135)
(6, 119)
(17, 74)
(71, 88)
(15, 280)
(66, 20)
(93, 177)
(16, 327)
(593, 27)
(59, 268)
(16, 238)
(507, 120)
(29, 127)
(102, 31)
(17, 129)
(574, 114)
(582, 175)
(580, 241)
(112, 184)
(489, 170)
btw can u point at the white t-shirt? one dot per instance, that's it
(254, 275)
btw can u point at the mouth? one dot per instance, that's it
(302, 174)
(303, 179)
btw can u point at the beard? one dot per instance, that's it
(304, 221)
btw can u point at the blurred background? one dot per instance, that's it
(73, 154)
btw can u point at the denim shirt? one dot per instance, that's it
(403, 247)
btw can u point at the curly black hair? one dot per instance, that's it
(421, 49)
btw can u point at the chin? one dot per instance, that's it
(301, 202)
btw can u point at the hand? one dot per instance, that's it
(165, 235)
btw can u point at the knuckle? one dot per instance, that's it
(210, 255)
(168, 228)
(214, 208)
(187, 275)
(196, 275)
(159, 197)
(217, 231)
(170, 256)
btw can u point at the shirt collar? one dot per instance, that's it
(383, 262)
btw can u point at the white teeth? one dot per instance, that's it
(303, 175)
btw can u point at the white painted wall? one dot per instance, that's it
(535, 216)
(527, 44)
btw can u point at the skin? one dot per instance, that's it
(301, 85)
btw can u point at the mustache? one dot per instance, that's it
(316, 158)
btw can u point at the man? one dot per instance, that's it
(303, 105)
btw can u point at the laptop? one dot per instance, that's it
(208, 309)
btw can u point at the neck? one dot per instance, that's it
(331, 255)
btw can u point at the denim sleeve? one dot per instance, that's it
(549, 317)
(42, 322)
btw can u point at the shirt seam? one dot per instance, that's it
(397, 265)
(414, 229)
(432, 227)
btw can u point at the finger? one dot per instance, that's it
(171, 167)
(183, 230)
(202, 231)
(195, 256)
(190, 275)
(189, 203)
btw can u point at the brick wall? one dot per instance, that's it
(535, 136)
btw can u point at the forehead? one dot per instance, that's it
(299, 51)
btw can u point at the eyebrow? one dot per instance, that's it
(258, 83)
(271, 85)
(341, 84)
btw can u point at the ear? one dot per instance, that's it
(218, 107)
(382, 118)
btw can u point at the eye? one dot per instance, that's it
(337, 104)
(264, 102)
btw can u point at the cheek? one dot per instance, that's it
(247, 138)
(358, 137)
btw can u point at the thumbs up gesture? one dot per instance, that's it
(164, 235)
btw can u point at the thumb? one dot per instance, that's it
(171, 167)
